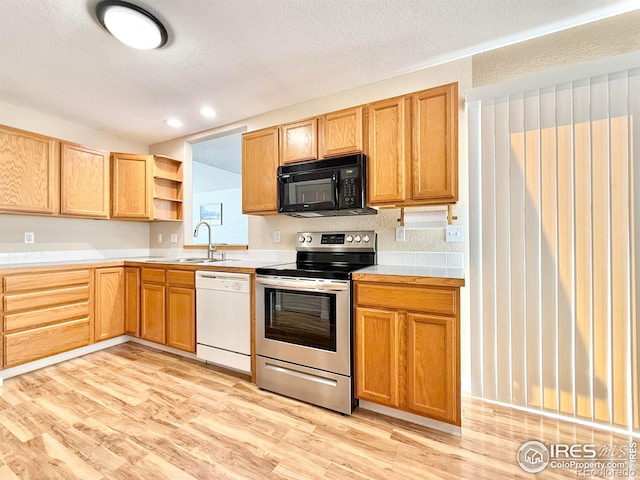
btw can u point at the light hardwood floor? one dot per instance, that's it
(131, 412)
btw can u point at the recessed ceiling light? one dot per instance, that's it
(131, 24)
(173, 122)
(207, 112)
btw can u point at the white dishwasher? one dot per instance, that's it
(223, 319)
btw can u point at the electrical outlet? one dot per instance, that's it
(174, 238)
(29, 237)
(276, 236)
(159, 238)
(399, 234)
(454, 233)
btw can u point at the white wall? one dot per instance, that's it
(207, 178)
(67, 234)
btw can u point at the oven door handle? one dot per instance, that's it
(303, 286)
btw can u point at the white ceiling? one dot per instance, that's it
(246, 57)
(223, 152)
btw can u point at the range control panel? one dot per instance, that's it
(351, 240)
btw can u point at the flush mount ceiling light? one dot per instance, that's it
(132, 25)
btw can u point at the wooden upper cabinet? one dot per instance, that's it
(167, 188)
(342, 132)
(131, 186)
(110, 303)
(434, 165)
(389, 142)
(259, 167)
(84, 181)
(299, 141)
(28, 172)
(413, 148)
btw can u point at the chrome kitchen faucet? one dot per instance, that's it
(211, 248)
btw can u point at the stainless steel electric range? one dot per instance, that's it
(304, 319)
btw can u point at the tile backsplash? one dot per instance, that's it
(70, 255)
(418, 259)
(422, 259)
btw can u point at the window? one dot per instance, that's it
(217, 189)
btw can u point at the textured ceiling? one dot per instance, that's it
(246, 57)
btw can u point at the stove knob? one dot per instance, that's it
(349, 239)
(301, 239)
(365, 239)
(357, 239)
(309, 239)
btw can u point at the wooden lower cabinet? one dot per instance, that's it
(378, 356)
(168, 313)
(45, 314)
(132, 301)
(109, 303)
(407, 347)
(181, 331)
(432, 366)
(152, 322)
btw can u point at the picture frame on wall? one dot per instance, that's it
(211, 213)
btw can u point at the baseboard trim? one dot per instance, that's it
(410, 417)
(164, 348)
(61, 357)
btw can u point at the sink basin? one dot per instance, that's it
(176, 260)
(199, 261)
(208, 261)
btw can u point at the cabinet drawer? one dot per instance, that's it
(46, 316)
(153, 275)
(181, 277)
(43, 342)
(46, 298)
(35, 281)
(436, 300)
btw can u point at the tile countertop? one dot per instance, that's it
(452, 276)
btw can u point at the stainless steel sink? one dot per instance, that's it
(198, 261)
(176, 260)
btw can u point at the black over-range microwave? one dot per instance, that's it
(324, 188)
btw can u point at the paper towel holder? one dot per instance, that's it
(450, 216)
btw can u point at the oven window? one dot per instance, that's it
(310, 191)
(301, 318)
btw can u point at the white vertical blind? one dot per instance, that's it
(554, 247)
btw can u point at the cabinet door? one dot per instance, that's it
(153, 313)
(132, 301)
(259, 171)
(130, 186)
(299, 141)
(28, 172)
(435, 145)
(389, 142)
(433, 387)
(342, 132)
(377, 356)
(84, 181)
(110, 303)
(181, 331)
